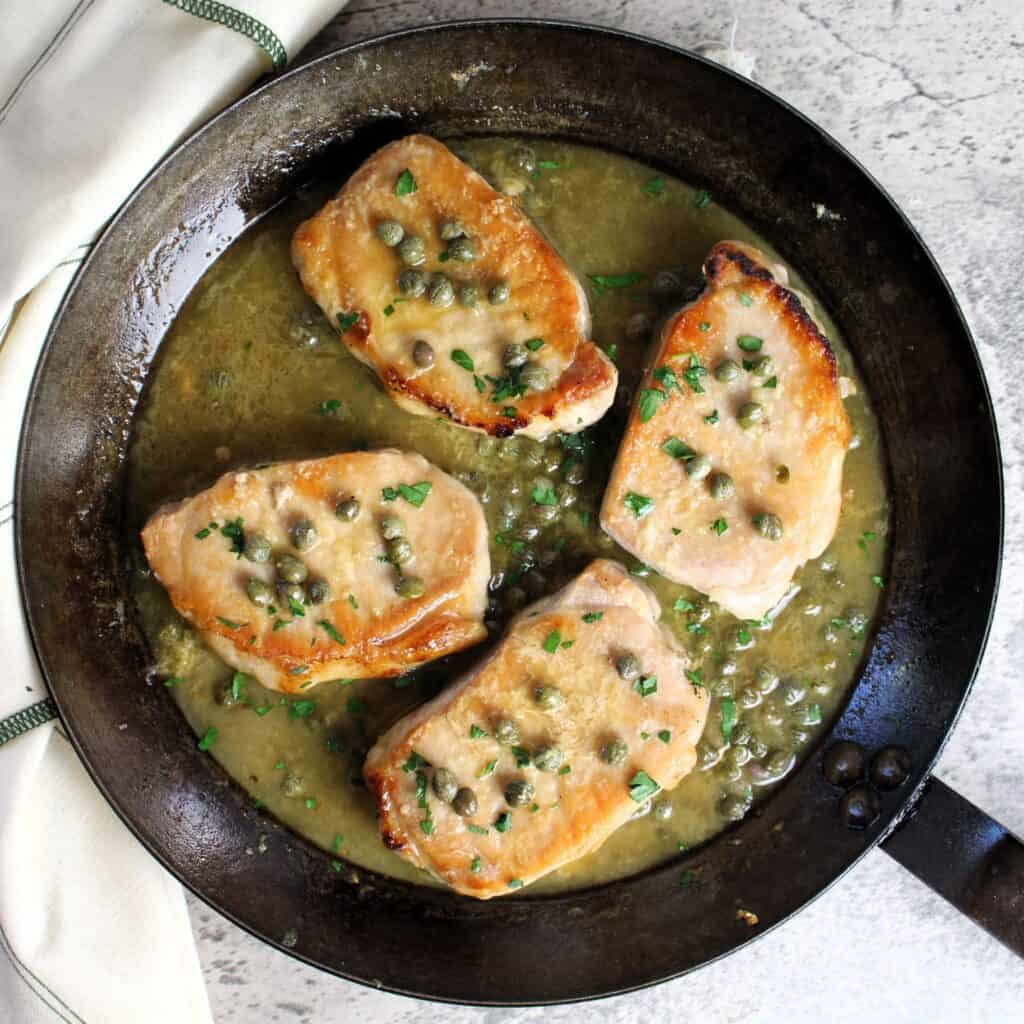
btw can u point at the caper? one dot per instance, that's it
(412, 283)
(423, 354)
(757, 746)
(614, 752)
(707, 755)
(469, 295)
(768, 525)
(524, 158)
(347, 509)
(628, 667)
(257, 547)
(575, 472)
(792, 692)
(518, 793)
(764, 366)
(550, 698)
(534, 376)
(413, 251)
(260, 593)
(698, 467)
(291, 592)
(462, 249)
(445, 785)
(410, 587)
(399, 551)
(749, 697)
(390, 232)
(726, 370)
(464, 802)
(451, 229)
(666, 283)
(721, 486)
(733, 808)
(441, 292)
(318, 591)
(506, 732)
(391, 527)
(303, 535)
(750, 414)
(766, 678)
(291, 569)
(662, 810)
(292, 785)
(515, 355)
(499, 293)
(548, 759)
(738, 754)
(779, 763)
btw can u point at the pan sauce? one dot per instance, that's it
(251, 372)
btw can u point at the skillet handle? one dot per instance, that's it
(966, 857)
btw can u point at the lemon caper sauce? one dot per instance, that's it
(251, 372)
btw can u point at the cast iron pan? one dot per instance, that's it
(768, 164)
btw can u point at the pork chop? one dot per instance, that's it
(532, 759)
(449, 293)
(729, 476)
(363, 564)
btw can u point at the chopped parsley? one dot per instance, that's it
(355, 706)
(515, 883)
(544, 495)
(203, 533)
(238, 682)
(677, 449)
(488, 769)
(534, 344)
(331, 631)
(878, 581)
(593, 616)
(639, 504)
(406, 184)
(646, 685)
(695, 628)
(230, 623)
(462, 358)
(503, 822)
(474, 865)
(702, 198)
(565, 769)
(476, 733)
(236, 535)
(719, 526)
(696, 677)
(347, 320)
(522, 756)
(173, 680)
(336, 844)
(328, 407)
(477, 830)
(665, 736)
(728, 718)
(296, 608)
(771, 382)
(414, 761)
(415, 494)
(609, 282)
(682, 605)
(209, 737)
(311, 803)
(642, 787)
(509, 412)
(712, 417)
(552, 641)
(352, 601)
(745, 299)
(650, 402)
(656, 186)
(865, 539)
(694, 373)
(479, 383)
(812, 714)
(749, 343)
(705, 326)
(389, 309)
(666, 377)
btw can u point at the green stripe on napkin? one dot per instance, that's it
(246, 24)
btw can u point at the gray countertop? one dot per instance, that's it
(929, 95)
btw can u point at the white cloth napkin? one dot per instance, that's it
(92, 94)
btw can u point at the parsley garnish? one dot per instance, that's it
(656, 186)
(478, 830)
(238, 682)
(515, 883)
(682, 605)
(543, 495)
(639, 504)
(551, 641)
(642, 787)
(728, 718)
(607, 282)
(771, 382)
(488, 769)
(414, 761)
(352, 601)
(474, 865)
(646, 685)
(665, 736)
(463, 359)
(236, 535)
(719, 526)
(865, 538)
(348, 320)
(705, 326)
(712, 417)
(702, 198)
(415, 494)
(355, 706)
(878, 582)
(406, 184)
(503, 822)
(666, 377)
(745, 299)
(208, 739)
(476, 733)
(593, 616)
(696, 677)
(677, 449)
(330, 407)
(301, 708)
(296, 608)
(522, 756)
(565, 769)
(230, 623)
(650, 402)
(533, 344)
(389, 309)
(694, 373)
(173, 680)
(331, 631)
(202, 534)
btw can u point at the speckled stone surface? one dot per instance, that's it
(929, 95)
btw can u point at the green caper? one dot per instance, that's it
(518, 793)
(303, 535)
(469, 295)
(662, 810)
(464, 802)
(318, 591)
(289, 592)
(462, 249)
(413, 251)
(399, 551)
(768, 525)
(792, 692)
(515, 355)
(764, 366)
(749, 697)
(499, 293)
(451, 229)
(534, 376)
(766, 678)
(550, 698)
(412, 283)
(721, 486)
(750, 414)
(292, 785)
(257, 547)
(347, 509)
(698, 467)
(260, 593)
(390, 232)
(575, 472)
(548, 759)
(410, 587)
(614, 752)
(666, 282)
(423, 354)
(727, 370)
(445, 785)
(392, 527)
(524, 158)
(779, 763)
(441, 291)
(291, 569)
(506, 732)
(628, 667)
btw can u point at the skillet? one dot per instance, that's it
(764, 161)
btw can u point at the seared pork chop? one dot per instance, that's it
(538, 754)
(729, 476)
(458, 303)
(364, 564)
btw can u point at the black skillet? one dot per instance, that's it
(765, 162)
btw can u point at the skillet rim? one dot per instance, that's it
(907, 800)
